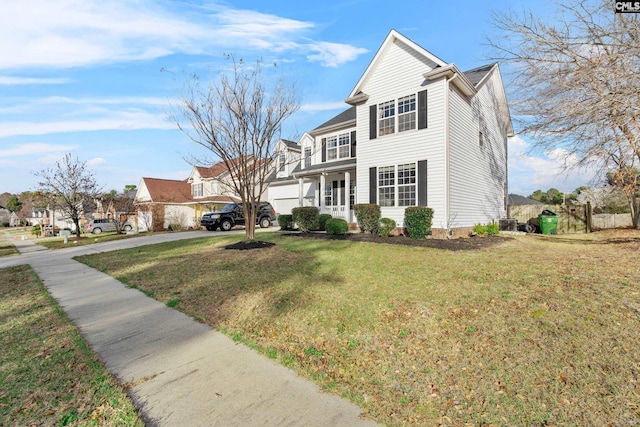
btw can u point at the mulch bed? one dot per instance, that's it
(458, 244)
(254, 244)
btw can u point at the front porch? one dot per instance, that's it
(330, 188)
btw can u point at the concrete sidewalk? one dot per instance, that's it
(180, 372)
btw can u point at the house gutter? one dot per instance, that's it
(447, 153)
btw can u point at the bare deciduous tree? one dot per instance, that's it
(121, 206)
(576, 83)
(69, 186)
(238, 118)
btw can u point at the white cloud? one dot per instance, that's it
(17, 80)
(118, 120)
(68, 33)
(529, 172)
(96, 161)
(333, 54)
(35, 149)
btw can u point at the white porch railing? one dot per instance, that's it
(338, 212)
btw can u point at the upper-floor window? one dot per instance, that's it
(406, 113)
(196, 190)
(386, 115)
(339, 146)
(282, 160)
(307, 157)
(398, 115)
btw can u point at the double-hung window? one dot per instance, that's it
(407, 185)
(332, 147)
(282, 160)
(344, 146)
(406, 113)
(307, 157)
(196, 190)
(386, 117)
(386, 186)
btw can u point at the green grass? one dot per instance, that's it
(85, 239)
(48, 374)
(6, 247)
(534, 331)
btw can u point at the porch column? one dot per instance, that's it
(300, 192)
(321, 195)
(347, 201)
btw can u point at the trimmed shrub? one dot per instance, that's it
(285, 222)
(322, 220)
(490, 229)
(386, 226)
(306, 217)
(418, 220)
(337, 226)
(368, 215)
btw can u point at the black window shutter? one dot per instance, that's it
(373, 121)
(324, 150)
(334, 193)
(320, 196)
(353, 143)
(422, 183)
(422, 109)
(342, 192)
(373, 185)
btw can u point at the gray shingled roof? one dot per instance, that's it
(478, 74)
(291, 144)
(515, 199)
(347, 115)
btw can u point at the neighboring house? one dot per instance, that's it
(162, 203)
(419, 132)
(51, 217)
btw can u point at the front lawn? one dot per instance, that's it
(57, 242)
(48, 374)
(533, 331)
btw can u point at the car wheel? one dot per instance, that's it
(225, 225)
(127, 228)
(97, 230)
(265, 222)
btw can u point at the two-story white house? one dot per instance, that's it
(419, 132)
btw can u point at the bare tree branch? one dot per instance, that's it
(239, 120)
(577, 84)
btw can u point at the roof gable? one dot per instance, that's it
(394, 37)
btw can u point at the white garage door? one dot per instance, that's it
(284, 206)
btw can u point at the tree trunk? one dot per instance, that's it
(635, 211)
(76, 221)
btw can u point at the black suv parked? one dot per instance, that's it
(232, 215)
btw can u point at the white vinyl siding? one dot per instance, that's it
(483, 164)
(404, 147)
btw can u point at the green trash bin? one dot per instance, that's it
(548, 221)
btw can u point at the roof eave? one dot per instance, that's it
(454, 75)
(357, 99)
(338, 126)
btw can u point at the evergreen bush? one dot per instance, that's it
(418, 220)
(368, 215)
(306, 218)
(386, 226)
(285, 222)
(337, 226)
(322, 220)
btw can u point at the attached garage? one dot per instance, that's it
(284, 205)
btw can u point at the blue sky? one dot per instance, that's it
(84, 77)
